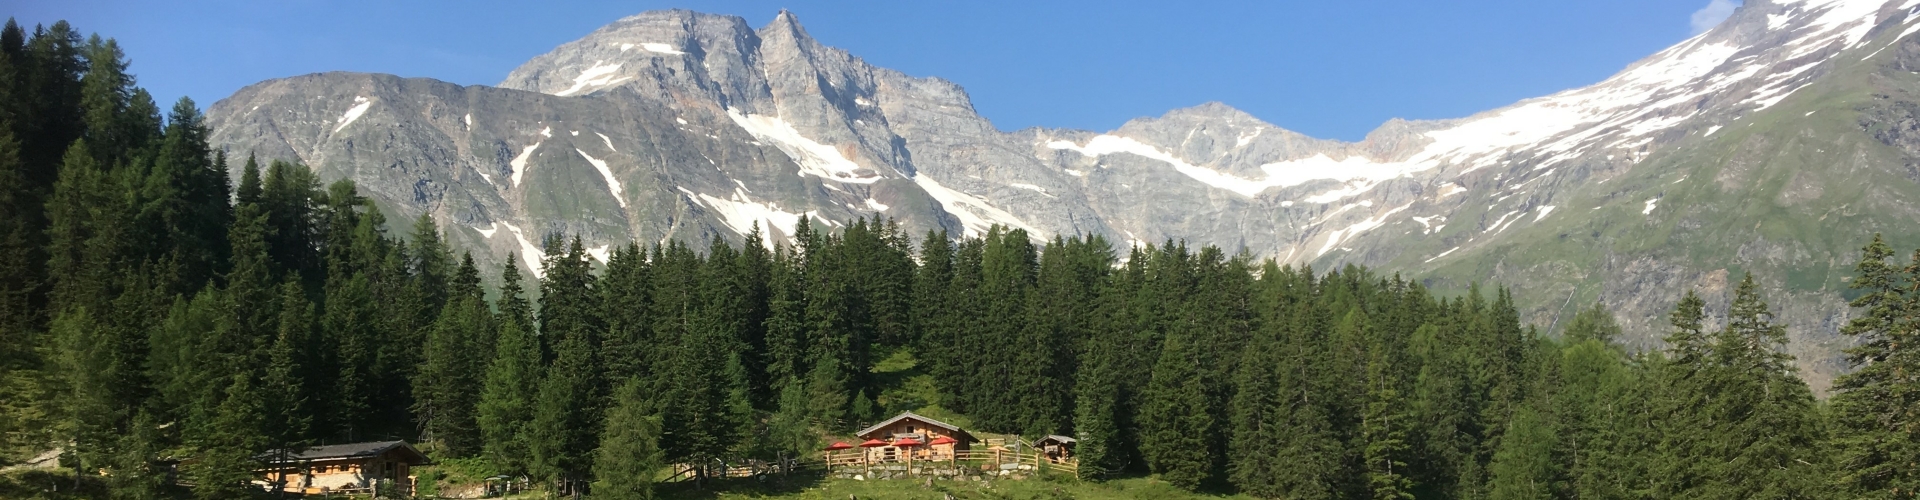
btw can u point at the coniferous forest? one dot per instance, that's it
(165, 327)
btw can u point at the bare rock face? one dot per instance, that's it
(1776, 143)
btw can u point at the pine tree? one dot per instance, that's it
(785, 326)
(447, 389)
(1099, 413)
(827, 396)
(506, 399)
(628, 347)
(226, 448)
(1173, 433)
(1603, 418)
(1593, 323)
(1682, 424)
(1525, 466)
(562, 434)
(1384, 434)
(21, 257)
(1769, 416)
(788, 430)
(291, 196)
(930, 281)
(87, 366)
(629, 455)
(286, 402)
(1876, 408)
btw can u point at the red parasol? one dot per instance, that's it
(839, 445)
(906, 442)
(873, 443)
(942, 440)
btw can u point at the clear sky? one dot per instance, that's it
(1327, 68)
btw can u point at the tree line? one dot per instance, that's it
(156, 314)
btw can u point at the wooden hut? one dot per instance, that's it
(926, 432)
(352, 467)
(1057, 448)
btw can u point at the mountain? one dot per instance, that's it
(1776, 143)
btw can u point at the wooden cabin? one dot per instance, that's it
(924, 430)
(352, 467)
(1057, 448)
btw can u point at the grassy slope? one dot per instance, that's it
(909, 490)
(1789, 193)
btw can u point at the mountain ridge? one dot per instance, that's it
(682, 125)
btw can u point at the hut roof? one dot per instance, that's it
(951, 429)
(1058, 439)
(346, 451)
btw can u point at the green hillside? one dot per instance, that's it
(1787, 193)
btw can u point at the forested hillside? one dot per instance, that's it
(152, 316)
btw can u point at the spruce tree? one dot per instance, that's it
(1764, 414)
(506, 399)
(785, 326)
(789, 431)
(628, 347)
(226, 448)
(1876, 408)
(1173, 425)
(285, 403)
(629, 454)
(447, 390)
(1383, 433)
(1099, 414)
(827, 396)
(1525, 466)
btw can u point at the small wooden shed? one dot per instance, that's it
(925, 431)
(350, 467)
(1058, 448)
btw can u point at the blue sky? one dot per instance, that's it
(1331, 69)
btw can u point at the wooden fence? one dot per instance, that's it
(1035, 461)
(992, 459)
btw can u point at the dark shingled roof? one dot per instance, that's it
(345, 451)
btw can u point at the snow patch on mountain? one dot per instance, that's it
(528, 252)
(519, 163)
(741, 213)
(359, 108)
(659, 48)
(1335, 238)
(816, 159)
(975, 214)
(613, 184)
(600, 75)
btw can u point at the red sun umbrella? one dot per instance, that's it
(839, 445)
(873, 443)
(942, 440)
(906, 442)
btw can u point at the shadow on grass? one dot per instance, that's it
(44, 484)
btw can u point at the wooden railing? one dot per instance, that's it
(839, 460)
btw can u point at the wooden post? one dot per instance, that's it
(909, 462)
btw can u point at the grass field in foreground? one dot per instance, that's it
(840, 489)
